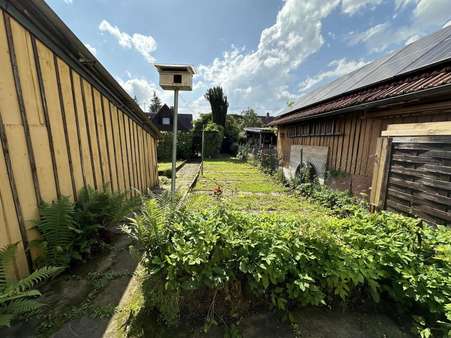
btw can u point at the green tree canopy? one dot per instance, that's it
(218, 103)
(155, 104)
(250, 119)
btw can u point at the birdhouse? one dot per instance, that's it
(176, 77)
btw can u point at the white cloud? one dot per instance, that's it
(351, 7)
(260, 78)
(144, 44)
(341, 67)
(92, 49)
(68, 1)
(402, 4)
(447, 24)
(143, 90)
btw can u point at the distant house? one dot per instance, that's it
(163, 119)
(261, 138)
(266, 119)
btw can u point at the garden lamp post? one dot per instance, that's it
(176, 78)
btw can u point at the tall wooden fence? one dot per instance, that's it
(59, 132)
(412, 174)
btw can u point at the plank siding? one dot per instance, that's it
(353, 147)
(58, 133)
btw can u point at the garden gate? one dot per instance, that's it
(412, 171)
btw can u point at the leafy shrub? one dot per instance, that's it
(267, 160)
(95, 212)
(243, 152)
(214, 135)
(228, 259)
(184, 146)
(70, 230)
(19, 297)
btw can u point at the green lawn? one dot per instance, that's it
(167, 165)
(244, 188)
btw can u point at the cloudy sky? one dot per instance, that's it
(264, 53)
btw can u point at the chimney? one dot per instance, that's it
(267, 114)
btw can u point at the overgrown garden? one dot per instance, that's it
(214, 262)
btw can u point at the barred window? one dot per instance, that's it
(314, 128)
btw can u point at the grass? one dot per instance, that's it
(167, 165)
(245, 188)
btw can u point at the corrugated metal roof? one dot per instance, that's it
(422, 53)
(409, 84)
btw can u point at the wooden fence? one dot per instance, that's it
(412, 173)
(59, 132)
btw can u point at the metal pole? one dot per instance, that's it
(203, 145)
(174, 141)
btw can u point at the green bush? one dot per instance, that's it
(70, 231)
(227, 259)
(214, 135)
(18, 297)
(184, 146)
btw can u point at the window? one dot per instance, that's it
(177, 78)
(165, 121)
(314, 128)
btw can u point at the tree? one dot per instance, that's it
(219, 105)
(155, 103)
(250, 119)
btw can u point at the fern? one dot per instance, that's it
(19, 297)
(58, 229)
(35, 278)
(6, 256)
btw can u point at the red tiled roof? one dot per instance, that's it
(405, 85)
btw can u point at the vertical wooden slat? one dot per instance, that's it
(15, 194)
(27, 67)
(77, 128)
(90, 127)
(88, 165)
(46, 117)
(139, 152)
(136, 148)
(146, 158)
(351, 144)
(364, 146)
(125, 154)
(107, 140)
(99, 139)
(129, 153)
(117, 128)
(23, 115)
(46, 59)
(356, 145)
(112, 145)
(65, 121)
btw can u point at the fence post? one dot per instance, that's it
(202, 151)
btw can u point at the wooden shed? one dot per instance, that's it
(65, 123)
(346, 118)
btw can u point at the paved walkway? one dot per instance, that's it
(81, 302)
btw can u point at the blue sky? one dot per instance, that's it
(264, 53)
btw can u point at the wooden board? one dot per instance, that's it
(418, 129)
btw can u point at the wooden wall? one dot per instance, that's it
(58, 133)
(352, 143)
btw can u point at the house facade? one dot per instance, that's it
(164, 119)
(346, 119)
(65, 123)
